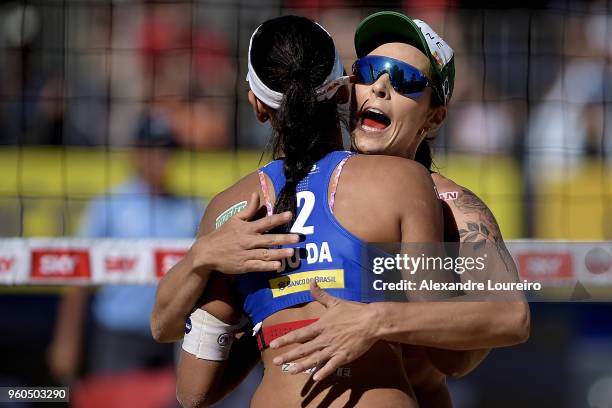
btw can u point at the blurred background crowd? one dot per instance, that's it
(117, 115)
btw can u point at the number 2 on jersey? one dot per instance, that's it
(308, 199)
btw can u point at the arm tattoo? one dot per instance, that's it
(482, 227)
(478, 232)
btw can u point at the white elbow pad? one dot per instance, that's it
(207, 337)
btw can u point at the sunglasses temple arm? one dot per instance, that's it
(329, 89)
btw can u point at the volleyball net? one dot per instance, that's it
(85, 83)
(120, 119)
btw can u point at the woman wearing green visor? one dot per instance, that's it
(404, 82)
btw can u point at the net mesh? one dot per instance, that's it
(82, 82)
(85, 82)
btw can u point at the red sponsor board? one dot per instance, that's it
(545, 266)
(166, 259)
(7, 263)
(120, 264)
(60, 264)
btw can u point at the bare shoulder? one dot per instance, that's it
(474, 221)
(471, 214)
(241, 189)
(383, 162)
(392, 183)
(447, 188)
(463, 199)
(229, 201)
(388, 171)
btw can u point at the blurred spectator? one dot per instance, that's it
(53, 91)
(186, 72)
(475, 125)
(32, 110)
(480, 121)
(570, 122)
(121, 342)
(85, 79)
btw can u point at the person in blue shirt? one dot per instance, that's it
(139, 208)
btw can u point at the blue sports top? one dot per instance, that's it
(330, 254)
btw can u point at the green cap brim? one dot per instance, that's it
(385, 27)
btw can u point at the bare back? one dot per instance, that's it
(375, 205)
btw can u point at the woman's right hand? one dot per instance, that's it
(240, 245)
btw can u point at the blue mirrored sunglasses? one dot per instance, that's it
(405, 79)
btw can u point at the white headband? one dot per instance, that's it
(273, 99)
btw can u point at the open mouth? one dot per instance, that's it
(374, 120)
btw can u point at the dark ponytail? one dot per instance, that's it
(293, 55)
(423, 154)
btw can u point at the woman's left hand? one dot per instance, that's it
(345, 331)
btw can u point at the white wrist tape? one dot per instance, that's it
(207, 337)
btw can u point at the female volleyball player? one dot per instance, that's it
(394, 116)
(294, 70)
(467, 326)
